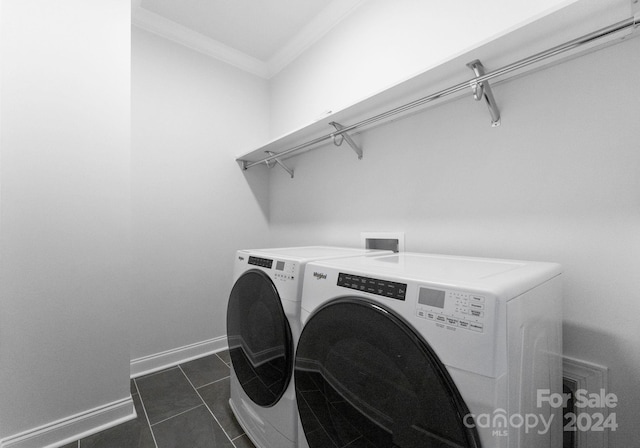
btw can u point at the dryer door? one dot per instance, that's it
(365, 378)
(260, 342)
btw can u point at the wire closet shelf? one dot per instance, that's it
(479, 85)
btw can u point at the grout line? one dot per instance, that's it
(144, 409)
(234, 443)
(314, 414)
(213, 382)
(220, 358)
(239, 437)
(154, 373)
(173, 416)
(207, 406)
(353, 441)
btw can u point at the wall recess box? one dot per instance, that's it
(383, 240)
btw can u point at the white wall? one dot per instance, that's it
(558, 181)
(385, 42)
(192, 205)
(65, 210)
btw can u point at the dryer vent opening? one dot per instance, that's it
(382, 244)
(393, 241)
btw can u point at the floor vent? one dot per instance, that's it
(569, 388)
(588, 378)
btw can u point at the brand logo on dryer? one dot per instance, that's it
(320, 275)
(241, 258)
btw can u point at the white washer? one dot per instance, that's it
(417, 350)
(263, 326)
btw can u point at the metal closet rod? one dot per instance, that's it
(631, 22)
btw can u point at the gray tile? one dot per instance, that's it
(205, 370)
(193, 429)
(216, 396)
(243, 442)
(225, 356)
(131, 434)
(71, 445)
(319, 438)
(166, 394)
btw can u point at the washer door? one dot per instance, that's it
(364, 378)
(260, 342)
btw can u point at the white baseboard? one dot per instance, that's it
(72, 428)
(170, 358)
(86, 423)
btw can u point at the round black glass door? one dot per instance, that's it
(364, 378)
(259, 338)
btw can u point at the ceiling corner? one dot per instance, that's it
(330, 17)
(155, 23)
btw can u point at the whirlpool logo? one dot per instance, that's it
(320, 275)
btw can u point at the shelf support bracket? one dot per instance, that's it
(271, 163)
(483, 90)
(338, 139)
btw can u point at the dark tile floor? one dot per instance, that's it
(186, 406)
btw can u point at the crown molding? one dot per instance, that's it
(324, 22)
(329, 18)
(166, 28)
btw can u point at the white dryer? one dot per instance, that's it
(263, 326)
(422, 351)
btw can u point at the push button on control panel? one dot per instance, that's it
(452, 321)
(452, 308)
(284, 276)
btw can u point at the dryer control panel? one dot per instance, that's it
(453, 308)
(262, 262)
(283, 270)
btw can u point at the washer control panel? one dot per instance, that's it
(384, 288)
(452, 308)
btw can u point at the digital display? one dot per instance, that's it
(279, 265)
(431, 297)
